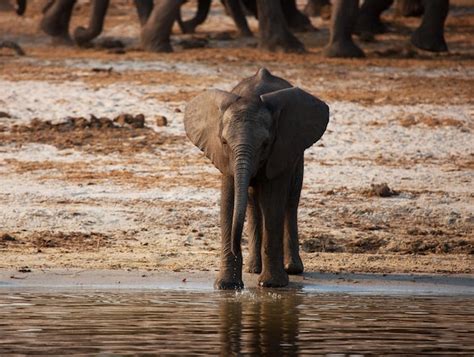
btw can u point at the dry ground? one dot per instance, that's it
(76, 192)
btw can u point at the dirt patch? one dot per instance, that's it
(430, 122)
(375, 245)
(126, 134)
(76, 241)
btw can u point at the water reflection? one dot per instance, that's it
(264, 326)
(247, 323)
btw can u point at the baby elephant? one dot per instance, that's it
(256, 135)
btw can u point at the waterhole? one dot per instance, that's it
(256, 322)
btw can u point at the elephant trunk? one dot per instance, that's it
(84, 35)
(242, 173)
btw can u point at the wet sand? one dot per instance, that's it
(318, 283)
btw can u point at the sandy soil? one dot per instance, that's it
(94, 193)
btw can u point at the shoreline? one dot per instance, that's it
(316, 283)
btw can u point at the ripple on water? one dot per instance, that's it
(247, 322)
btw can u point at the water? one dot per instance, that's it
(252, 322)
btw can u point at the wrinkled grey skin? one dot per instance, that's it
(256, 136)
(429, 36)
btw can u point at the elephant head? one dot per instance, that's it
(243, 136)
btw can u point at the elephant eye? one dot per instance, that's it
(224, 141)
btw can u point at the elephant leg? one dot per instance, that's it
(98, 11)
(250, 7)
(369, 16)
(274, 32)
(254, 224)
(429, 36)
(230, 272)
(20, 7)
(235, 9)
(56, 20)
(272, 196)
(292, 259)
(343, 18)
(189, 26)
(156, 32)
(296, 20)
(144, 9)
(316, 8)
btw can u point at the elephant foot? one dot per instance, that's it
(253, 266)
(226, 283)
(294, 266)
(187, 27)
(82, 36)
(347, 49)
(283, 44)
(428, 41)
(63, 40)
(277, 279)
(158, 47)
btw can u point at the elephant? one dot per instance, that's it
(428, 36)
(295, 19)
(255, 135)
(234, 9)
(156, 18)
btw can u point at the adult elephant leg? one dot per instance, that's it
(236, 11)
(429, 35)
(190, 25)
(20, 7)
(230, 272)
(56, 20)
(144, 9)
(274, 32)
(84, 35)
(254, 216)
(272, 196)
(292, 259)
(343, 18)
(250, 7)
(296, 20)
(368, 20)
(156, 32)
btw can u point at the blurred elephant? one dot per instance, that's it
(428, 36)
(295, 19)
(256, 135)
(234, 9)
(157, 18)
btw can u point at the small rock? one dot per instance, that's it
(24, 269)
(138, 121)
(177, 110)
(382, 190)
(7, 238)
(161, 120)
(4, 115)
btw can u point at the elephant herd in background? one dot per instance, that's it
(277, 20)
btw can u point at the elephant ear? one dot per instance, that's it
(202, 122)
(301, 120)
